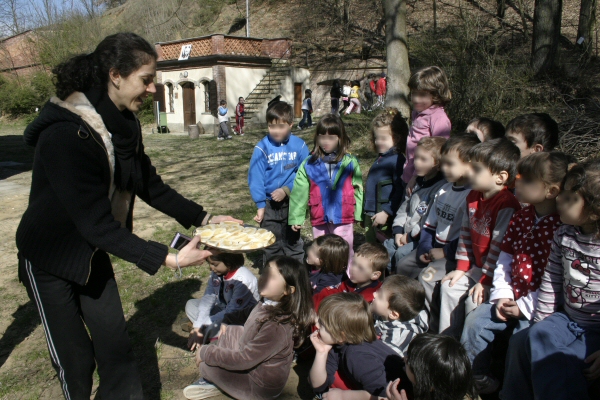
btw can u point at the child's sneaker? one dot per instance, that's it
(486, 384)
(229, 137)
(220, 138)
(201, 389)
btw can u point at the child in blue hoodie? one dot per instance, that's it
(273, 168)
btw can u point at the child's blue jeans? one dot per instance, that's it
(546, 360)
(481, 327)
(397, 253)
(306, 119)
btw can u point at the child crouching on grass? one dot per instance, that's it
(254, 361)
(230, 287)
(348, 355)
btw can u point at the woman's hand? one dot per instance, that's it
(380, 218)
(195, 339)
(217, 219)
(189, 255)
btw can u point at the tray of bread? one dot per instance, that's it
(234, 238)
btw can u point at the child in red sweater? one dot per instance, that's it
(490, 205)
(366, 272)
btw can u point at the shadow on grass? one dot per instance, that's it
(152, 324)
(25, 321)
(15, 156)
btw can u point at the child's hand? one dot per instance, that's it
(511, 310)
(260, 215)
(478, 292)
(500, 309)
(319, 345)
(401, 239)
(195, 339)
(380, 218)
(392, 391)
(453, 276)
(278, 194)
(296, 228)
(593, 372)
(198, 359)
(425, 258)
(222, 330)
(436, 254)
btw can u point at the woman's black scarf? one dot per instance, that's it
(126, 135)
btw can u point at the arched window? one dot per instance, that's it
(206, 86)
(170, 100)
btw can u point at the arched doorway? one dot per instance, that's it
(189, 104)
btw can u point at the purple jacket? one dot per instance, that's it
(430, 122)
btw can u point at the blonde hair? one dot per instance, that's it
(433, 80)
(347, 318)
(433, 145)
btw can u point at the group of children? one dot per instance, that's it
(470, 237)
(223, 117)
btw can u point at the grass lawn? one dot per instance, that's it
(210, 172)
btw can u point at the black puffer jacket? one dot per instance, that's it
(70, 216)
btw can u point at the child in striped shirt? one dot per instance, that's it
(521, 263)
(489, 207)
(399, 312)
(559, 356)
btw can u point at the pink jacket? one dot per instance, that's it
(430, 122)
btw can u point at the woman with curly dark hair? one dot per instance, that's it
(88, 168)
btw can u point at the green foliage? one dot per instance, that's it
(23, 96)
(146, 113)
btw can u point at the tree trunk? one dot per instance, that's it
(501, 8)
(398, 69)
(587, 24)
(546, 35)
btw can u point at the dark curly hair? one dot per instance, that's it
(125, 52)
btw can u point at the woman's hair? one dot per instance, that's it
(490, 128)
(547, 167)
(433, 144)
(334, 252)
(434, 81)
(441, 368)
(393, 118)
(296, 308)
(584, 179)
(347, 318)
(331, 124)
(231, 260)
(124, 52)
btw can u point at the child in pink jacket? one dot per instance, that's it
(429, 94)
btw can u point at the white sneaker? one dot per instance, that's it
(220, 138)
(201, 389)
